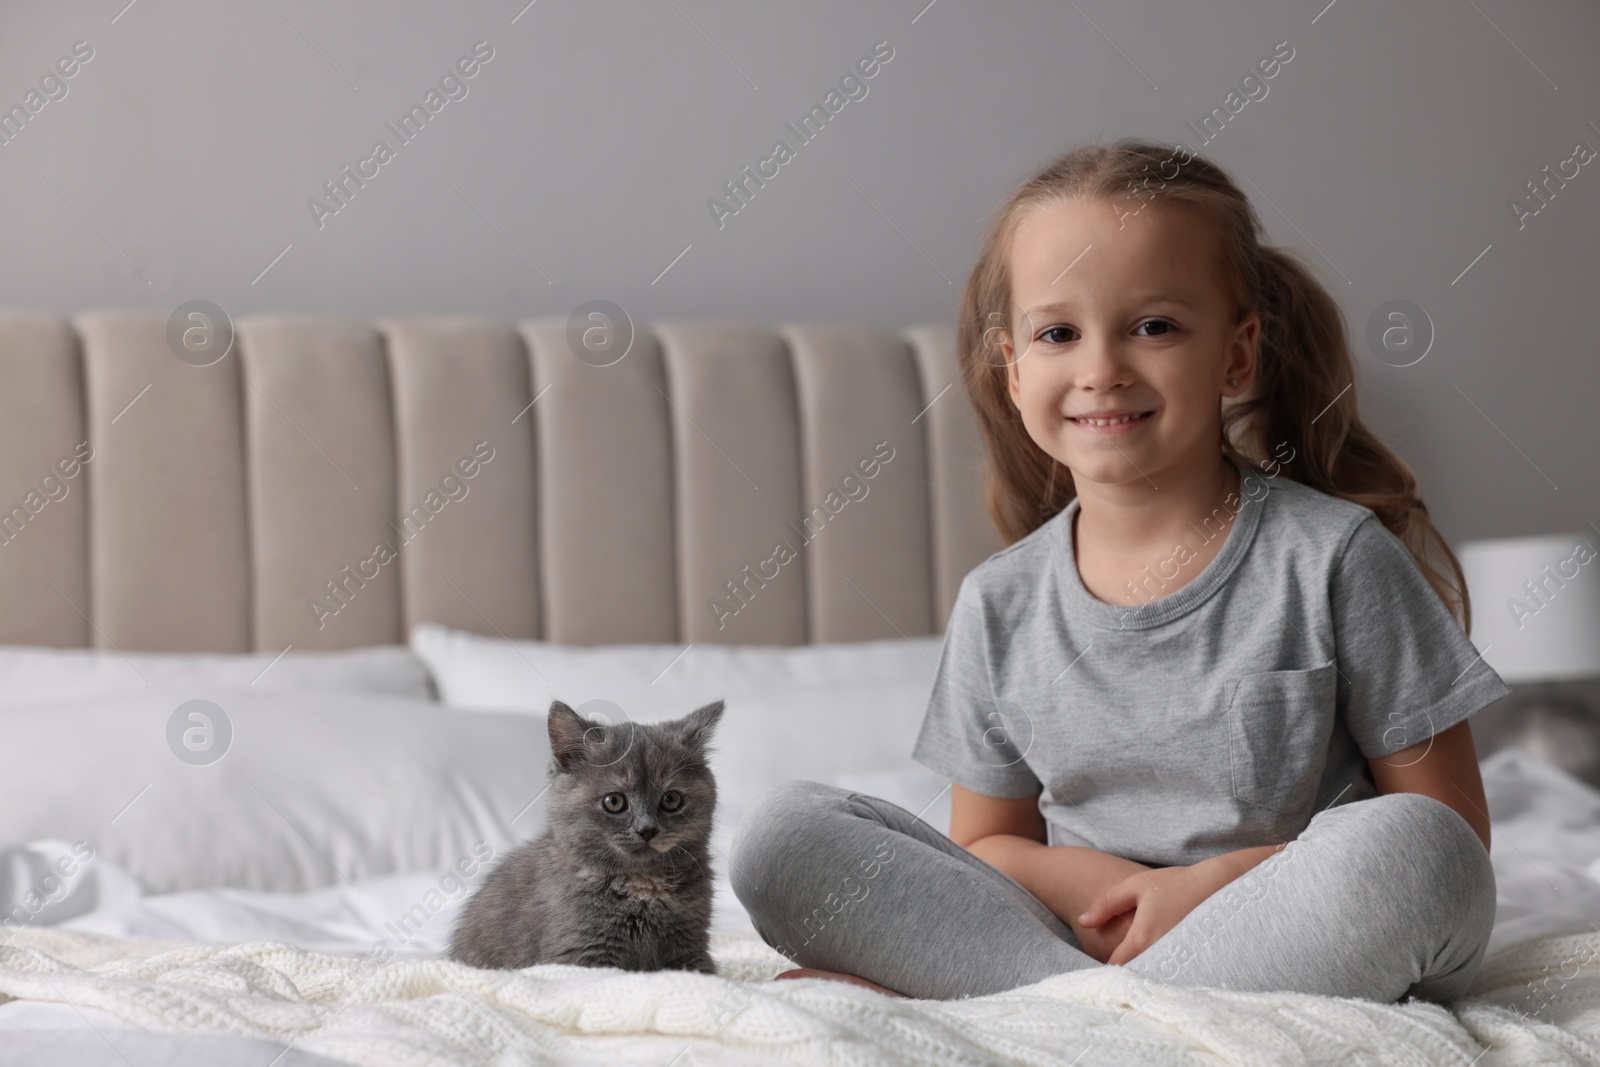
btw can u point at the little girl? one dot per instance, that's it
(1205, 716)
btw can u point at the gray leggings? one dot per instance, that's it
(1378, 898)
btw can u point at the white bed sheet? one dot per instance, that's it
(1545, 844)
(1547, 861)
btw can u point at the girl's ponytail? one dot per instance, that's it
(1305, 399)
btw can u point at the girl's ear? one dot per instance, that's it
(568, 734)
(1239, 372)
(1014, 355)
(996, 343)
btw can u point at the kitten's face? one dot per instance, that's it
(637, 791)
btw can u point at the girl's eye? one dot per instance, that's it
(1060, 335)
(614, 802)
(671, 800)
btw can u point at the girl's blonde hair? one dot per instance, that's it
(1303, 395)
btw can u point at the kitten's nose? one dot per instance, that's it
(647, 832)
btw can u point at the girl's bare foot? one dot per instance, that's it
(812, 972)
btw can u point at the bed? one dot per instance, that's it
(255, 763)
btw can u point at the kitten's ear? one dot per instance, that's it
(695, 728)
(568, 733)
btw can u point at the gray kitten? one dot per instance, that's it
(621, 876)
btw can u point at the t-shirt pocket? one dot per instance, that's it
(1279, 723)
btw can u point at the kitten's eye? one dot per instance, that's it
(671, 800)
(614, 802)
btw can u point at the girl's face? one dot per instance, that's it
(1120, 314)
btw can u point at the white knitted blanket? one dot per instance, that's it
(1534, 1002)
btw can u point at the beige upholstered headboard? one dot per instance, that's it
(312, 487)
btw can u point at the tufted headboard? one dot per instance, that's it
(329, 483)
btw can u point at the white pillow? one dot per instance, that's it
(311, 788)
(472, 670)
(846, 714)
(33, 675)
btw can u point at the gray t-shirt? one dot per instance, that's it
(1221, 716)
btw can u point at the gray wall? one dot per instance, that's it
(578, 166)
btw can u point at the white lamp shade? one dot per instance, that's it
(1536, 605)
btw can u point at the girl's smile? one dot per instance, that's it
(1108, 423)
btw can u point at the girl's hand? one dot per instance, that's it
(1151, 902)
(1100, 941)
(1091, 875)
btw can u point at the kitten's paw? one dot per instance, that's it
(702, 964)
